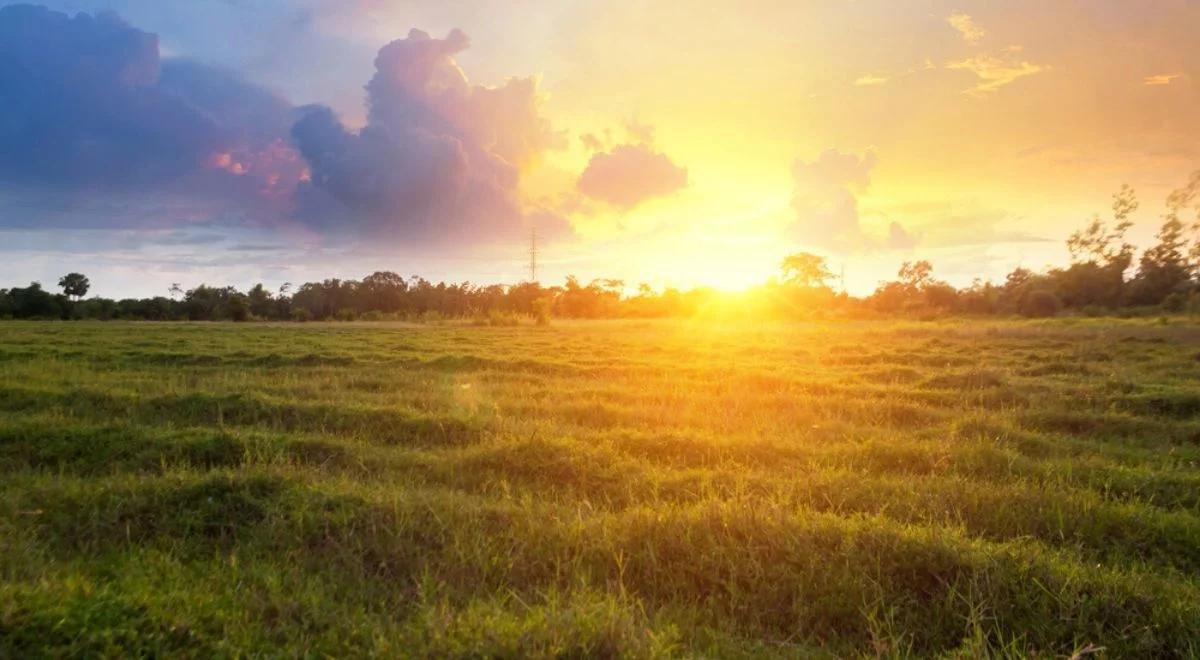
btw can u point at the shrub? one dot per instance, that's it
(499, 318)
(346, 314)
(1193, 304)
(1176, 302)
(429, 316)
(301, 314)
(541, 309)
(1040, 304)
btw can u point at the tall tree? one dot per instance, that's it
(805, 269)
(916, 274)
(1163, 268)
(1101, 245)
(74, 285)
(1179, 203)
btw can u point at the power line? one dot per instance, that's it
(533, 253)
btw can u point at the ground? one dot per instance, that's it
(600, 489)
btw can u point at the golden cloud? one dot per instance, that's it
(1160, 79)
(971, 33)
(994, 72)
(869, 80)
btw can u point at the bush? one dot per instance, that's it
(499, 318)
(1193, 303)
(541, 309)
(346, 314)
(301, 314)
(429, 316)
(1040, 304)
(1176, 302)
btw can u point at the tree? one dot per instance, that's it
(260, 302)
(1164, 268)
(33, 302)
(805, 269)
(382, 291)
(239, 307)
(74, 285)
(1179, 201)
(206, 303)
(1099, 258)
(916, 274)
(1097, 243)
(1040, 304)
(1169, 266)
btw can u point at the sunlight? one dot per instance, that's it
(599, 329)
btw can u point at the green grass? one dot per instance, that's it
(645, 489)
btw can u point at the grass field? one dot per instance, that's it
(600, 489)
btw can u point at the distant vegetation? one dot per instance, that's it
(1103, 278)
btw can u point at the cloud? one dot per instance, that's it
(869, 80)
(900, 238)
(639, 132)
(824, 197)
(440, 159)
(995, 72)
(593, 142)
(80, 103)
(1161, 79)
(88, 106)
(93, 119)
(966, 27)
(629, 175)
(962, 223)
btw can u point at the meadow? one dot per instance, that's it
(601, 489)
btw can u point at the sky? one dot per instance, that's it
(146, 143)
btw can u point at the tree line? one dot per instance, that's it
(1103, 277)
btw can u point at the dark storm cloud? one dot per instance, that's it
(87, 105)
(89, 111)
(439, 158)
(79, 103)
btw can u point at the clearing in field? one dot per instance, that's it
(599, 489)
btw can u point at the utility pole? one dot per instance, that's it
(533, 252)
(843, 277)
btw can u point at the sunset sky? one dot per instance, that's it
(674, 143)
